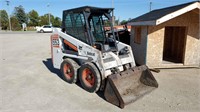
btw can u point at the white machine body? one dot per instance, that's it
(104, 61)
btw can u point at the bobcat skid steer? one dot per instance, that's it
(83, 51)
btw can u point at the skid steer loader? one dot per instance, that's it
(83, 51)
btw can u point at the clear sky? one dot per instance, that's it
(124, 9)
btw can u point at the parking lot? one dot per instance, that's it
(30, 83)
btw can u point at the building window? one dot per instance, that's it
(137, 35)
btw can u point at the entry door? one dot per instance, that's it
(174, 44)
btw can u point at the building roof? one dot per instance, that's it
(159, 16)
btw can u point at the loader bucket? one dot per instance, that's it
(126, 87)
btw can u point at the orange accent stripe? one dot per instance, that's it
(71, 45)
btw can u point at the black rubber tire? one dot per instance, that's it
(74, 70)
(41, 31)
(95, 74)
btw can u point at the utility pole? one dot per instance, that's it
(48, 5)
(113, 17)
(150, 5)
(0, 21)
(8, 3)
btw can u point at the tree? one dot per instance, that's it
(33, 18)
(44, 20)
(57, 22)
(4, 19)
(20, 14)
(116, 22)
(107, 23)
(123, 22)
(15, 23)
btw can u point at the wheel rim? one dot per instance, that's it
(88, 77)
(67, 70)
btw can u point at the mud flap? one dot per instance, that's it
(128, 86)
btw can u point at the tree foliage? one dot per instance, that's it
(57, 22)
(44, 20)
(107, 23)
(19, 12)
(15, 23)
(4, 20)
(123, 22)
(33, 18)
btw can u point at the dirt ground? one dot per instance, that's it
(29, 83)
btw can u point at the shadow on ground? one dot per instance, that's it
(49, 65)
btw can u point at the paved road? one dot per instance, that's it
(29, 83)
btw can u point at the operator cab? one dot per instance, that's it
(88, 25)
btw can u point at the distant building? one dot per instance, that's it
(167, 37)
